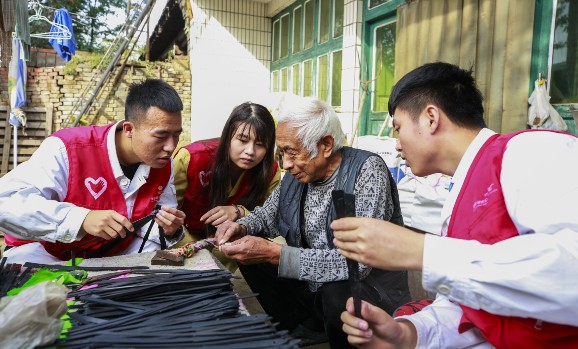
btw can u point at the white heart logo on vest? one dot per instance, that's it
(204, 178)
(95, 186)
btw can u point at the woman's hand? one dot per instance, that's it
(221, 214)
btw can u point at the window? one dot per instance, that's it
(338, 18)
(297, 28)
(296, 79)
(284, 36)
(375, 3)
(307, 43)
(275, 81)
(309, 25)
(324, 20)
(336, 78)
(284, 80)
(308, 78)
(322, 77)
(564, 73)
(275, 44)
(384, 63)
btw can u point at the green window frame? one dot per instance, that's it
(379, 16)
(555, 56)
(306, 47)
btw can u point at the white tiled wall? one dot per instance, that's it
(350, 82)
(230, 58)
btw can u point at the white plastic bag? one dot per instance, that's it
(541, 114)
(32, 317)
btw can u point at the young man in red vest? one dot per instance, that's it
(93, 181)
(504, 266)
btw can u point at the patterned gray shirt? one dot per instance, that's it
(318, 263)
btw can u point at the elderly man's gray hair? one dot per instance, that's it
(314, 120)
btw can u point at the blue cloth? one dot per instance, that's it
(65, 47)
(17, 76)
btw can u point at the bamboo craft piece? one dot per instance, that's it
(175, 257)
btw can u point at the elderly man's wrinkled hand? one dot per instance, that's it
(229, 231)
(251, 250)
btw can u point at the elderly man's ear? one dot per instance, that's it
(326, 145)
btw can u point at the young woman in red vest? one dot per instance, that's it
(224, 178)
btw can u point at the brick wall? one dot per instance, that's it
(52, 87)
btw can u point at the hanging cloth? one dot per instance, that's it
(541, 114)
(22, 29)
(63, 43)
(8, 15)
(17, 85)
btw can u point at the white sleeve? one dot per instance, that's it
(31, 197)
(169, 195)
(437, 327)
(531, 275)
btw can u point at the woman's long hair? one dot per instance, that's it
(247, 115)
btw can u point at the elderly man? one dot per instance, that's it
(307, 279)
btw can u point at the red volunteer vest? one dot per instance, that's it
(196, 201)
(92, 185)
(480, 214)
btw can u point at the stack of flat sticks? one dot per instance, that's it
(170, 308)
(12, 276)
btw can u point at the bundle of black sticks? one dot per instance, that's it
(170, 308)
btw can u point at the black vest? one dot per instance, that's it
(291, 192)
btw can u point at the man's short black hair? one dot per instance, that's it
(445, 85)
(150, 93)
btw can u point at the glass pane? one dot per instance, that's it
(284, 79)
(275, 40)
(564, 79)
(275, 81)
(338, 19)
(336, 79)
(309, 25)
(375, 3)
(322, 78)
(296, 78)
(308, 78)
(284, 36)
(297, 29)
(324, 20)
(383, 66)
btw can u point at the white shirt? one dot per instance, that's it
(533, 275)
(32, 194)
